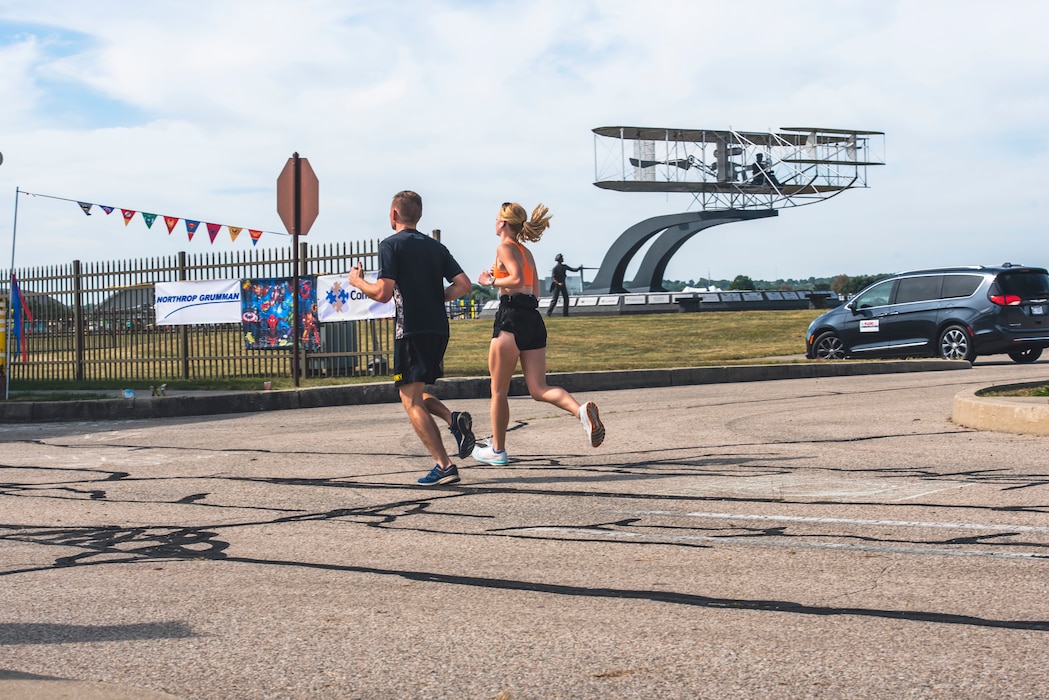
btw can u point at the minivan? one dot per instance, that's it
(955, 313)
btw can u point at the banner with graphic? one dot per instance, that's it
(266, 313)
(188, 303)
(337, 300)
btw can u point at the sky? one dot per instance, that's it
(191, 109)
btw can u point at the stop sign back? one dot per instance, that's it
(308, 189)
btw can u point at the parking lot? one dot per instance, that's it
(802, 538)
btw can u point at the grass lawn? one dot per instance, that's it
(1042, 390)
(576, 343)
(586, 343)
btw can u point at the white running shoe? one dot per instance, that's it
(592, 424)
(489, 455)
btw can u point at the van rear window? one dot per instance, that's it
(955, 286)
(1029, 284)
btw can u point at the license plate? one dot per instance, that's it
(1037, 310)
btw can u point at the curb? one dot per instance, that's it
(453, 388)
(29, 686)
(1023, 415)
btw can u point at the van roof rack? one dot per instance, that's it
(941, 269)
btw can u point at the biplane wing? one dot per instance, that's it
(797, 135)
(643, 133)
(824, 130)
(714, 188)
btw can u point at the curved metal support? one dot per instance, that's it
(676, 228)
(649, 277)
(613, 267)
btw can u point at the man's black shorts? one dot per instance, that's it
(519, 314)
(419, 358)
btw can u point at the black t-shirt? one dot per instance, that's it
(418, 266)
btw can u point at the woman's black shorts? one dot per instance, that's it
(519, 314)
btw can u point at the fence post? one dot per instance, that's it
(78, 324)
(183, 332)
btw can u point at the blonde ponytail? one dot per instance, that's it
(533, 229)
(530, 230)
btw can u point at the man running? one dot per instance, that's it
(412, 270)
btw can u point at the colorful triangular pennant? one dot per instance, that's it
(171, 222)
(213, 230)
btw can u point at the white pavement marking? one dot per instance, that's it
(803, 487)
(598, 533)
(846, 521)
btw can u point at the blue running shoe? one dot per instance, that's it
(462, 429)
(438, 476)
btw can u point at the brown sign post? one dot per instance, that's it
(298, 203)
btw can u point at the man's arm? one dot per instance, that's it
(381, 290)
(460, 286)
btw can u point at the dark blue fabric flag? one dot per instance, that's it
(19, 307)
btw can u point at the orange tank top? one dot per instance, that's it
(528, 273)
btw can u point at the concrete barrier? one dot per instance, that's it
(211, 403)
(1025, 415)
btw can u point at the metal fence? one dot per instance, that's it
(95, 321)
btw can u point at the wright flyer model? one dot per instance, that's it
(731, 176)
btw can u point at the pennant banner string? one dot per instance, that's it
(128, 214)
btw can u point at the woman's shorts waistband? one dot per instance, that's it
(519, 301)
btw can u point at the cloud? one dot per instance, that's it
(193, 114)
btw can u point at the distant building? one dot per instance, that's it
(573, 281)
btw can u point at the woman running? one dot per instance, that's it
(519, 332)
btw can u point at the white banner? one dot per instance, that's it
(338, 300)
(185, 303)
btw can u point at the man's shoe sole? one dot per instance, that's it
(446, 480)
(469, 441)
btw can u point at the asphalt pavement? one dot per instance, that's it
(830, 535)
(199, 403)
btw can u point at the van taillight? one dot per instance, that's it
(1005, 299)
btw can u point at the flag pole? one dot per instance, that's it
(11, 297)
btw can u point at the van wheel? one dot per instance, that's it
(955, 344)
(1026, 356)
(828, 346)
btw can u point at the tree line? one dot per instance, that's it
(839, 284)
